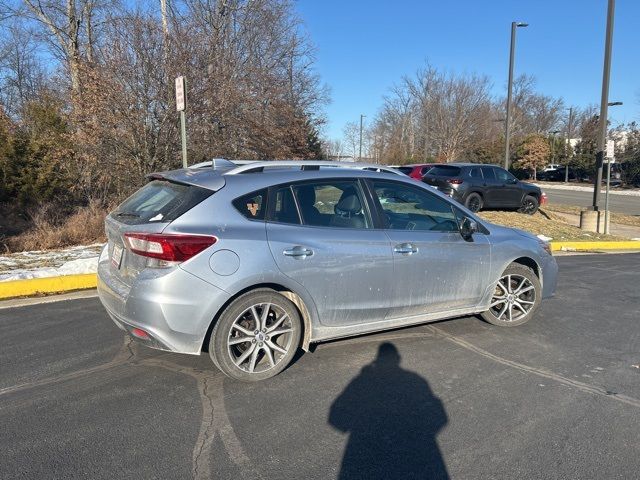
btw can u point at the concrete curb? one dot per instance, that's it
(594, 246)
(36, 286)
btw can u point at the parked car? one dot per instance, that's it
(250, 264)
(479, 186)
(416, 171)
(557, 175)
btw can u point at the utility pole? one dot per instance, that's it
(602, 134)
(360, 152)
(568, 146)
(507, 128)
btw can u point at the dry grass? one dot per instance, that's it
(619, 218)
(544, 223)
(83, 227)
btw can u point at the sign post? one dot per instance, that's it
(181, 106)
(610, 158)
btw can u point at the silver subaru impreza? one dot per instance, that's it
(252, 262)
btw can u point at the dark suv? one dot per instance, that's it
(484, 186)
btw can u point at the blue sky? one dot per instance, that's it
(364, 47)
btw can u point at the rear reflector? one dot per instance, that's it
(168, 247)
(454, 181)
(139, 333)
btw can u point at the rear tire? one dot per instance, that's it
(256, 337)
(530, 205)
(474, 202)
(516, 297)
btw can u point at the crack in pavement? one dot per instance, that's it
(214, 420)
(584, 387)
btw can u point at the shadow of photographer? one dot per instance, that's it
(392, 418)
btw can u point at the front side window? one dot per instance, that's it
(333, 203)
(503, 176)
(410, 208)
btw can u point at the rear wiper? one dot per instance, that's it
(127, 214)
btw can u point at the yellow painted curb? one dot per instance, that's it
(591, 246)
(34, 286)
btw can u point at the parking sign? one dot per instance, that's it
(181, 94)
(610, 149)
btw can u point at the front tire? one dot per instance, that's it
(256, 336)
(516, 297)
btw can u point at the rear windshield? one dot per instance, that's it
(406, 170)
(160, 201)
(445, 171)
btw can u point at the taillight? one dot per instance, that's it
(168, 247)
(454, 181)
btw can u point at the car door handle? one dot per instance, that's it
(298, 252)
(405, 248)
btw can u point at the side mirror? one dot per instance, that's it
(467, 228)
(513, 181)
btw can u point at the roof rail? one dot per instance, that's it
(309, 165)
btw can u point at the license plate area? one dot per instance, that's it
(116, 256)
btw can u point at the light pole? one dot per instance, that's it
(604, 103)
(507, 128)
(360, 152)
(568, 146)
(606, 192)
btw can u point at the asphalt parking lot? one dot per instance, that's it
(556, 398)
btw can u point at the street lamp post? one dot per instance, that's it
(604, 102)
(507, 128)
(360, 151)
(568, 146)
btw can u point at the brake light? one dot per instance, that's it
(454, 181)
(168, 247)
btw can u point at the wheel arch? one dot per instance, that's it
(532, 264)
(286, 292)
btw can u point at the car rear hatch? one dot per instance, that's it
(443, 177)
(149, 211)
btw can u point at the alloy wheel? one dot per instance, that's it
(513, 298)
(474, 204)
(260, 337)
(529, 206)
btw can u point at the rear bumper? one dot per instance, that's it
(174, 307)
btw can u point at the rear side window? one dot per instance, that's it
(253, 206)
(285, 209)
(332, 203)
(488, 173)
(406, 170)
(445, 171)
(475, 172)
(160, 201)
